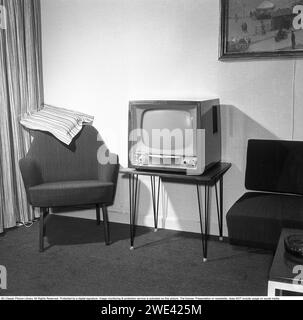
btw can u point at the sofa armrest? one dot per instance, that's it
(30, 172)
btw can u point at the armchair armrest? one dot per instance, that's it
(30, 173)
(109, 172)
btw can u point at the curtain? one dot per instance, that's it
(21, 90)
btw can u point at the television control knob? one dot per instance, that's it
(141, 160)
(193, 162)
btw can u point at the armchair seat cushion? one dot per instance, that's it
(67, 193)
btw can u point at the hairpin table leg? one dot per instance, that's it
(204, 231)
(155, 198)
(133, 192)
(219, 201)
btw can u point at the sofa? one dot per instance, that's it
(274, 200)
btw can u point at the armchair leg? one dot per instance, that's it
(106, 225)
(46, 213)
(43, 213)
(98, 214)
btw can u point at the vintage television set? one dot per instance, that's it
(179, 136)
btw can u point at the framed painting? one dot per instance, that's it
(261, 28)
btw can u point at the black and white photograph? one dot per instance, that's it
(145, 166)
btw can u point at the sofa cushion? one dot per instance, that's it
(292, 212)
(68, 193)
(275, 166)
(257, 218)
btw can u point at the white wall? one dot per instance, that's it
(99, 54)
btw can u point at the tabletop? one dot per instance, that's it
(210, 176)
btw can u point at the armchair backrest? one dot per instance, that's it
(275, 166)
(59, 162)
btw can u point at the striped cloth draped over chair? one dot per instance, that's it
(62, 123)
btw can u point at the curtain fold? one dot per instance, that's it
(21, 90)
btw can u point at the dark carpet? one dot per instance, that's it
(166, 263)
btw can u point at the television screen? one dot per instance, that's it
(168, 131)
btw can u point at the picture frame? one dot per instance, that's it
(261, 29)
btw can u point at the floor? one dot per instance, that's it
(166, 263)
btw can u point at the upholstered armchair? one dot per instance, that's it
(57, 175)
